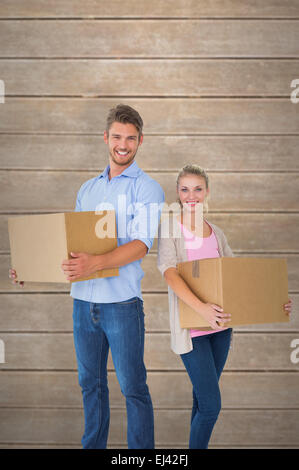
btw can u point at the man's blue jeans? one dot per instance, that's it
(204, 365)
(119, 326)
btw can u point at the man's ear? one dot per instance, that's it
(141, 139)
(105, 137)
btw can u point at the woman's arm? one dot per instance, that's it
(210, 312)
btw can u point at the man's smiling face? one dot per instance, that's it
(123, 142)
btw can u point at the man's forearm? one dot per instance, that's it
(121, 255)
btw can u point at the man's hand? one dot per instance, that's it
(81, 265)
(13, 275)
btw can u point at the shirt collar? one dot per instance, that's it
(131, 171)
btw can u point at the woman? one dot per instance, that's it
(203, 353)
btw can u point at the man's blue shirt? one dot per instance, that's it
(137, 200)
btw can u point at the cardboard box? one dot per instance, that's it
(252, 290)
(39, 243)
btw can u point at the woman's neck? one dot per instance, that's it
(197, 225)
(194, 222)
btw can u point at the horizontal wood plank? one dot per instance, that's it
(157, 153)
(238, 427)
(173, 390)
(144, 9)
(172, 116)
(152, 282)
(240, 124)
(56, 191)
(48, 351)
(257, 233)
(148, 77)
(42, 312)
(9, 446)
(174, 38)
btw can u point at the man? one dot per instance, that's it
(108, 312)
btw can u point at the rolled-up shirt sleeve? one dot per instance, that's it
(78, 202)
(146, 213)
(78, 207)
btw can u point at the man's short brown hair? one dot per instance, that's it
(126, 115)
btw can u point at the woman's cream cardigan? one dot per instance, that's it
(171, 251)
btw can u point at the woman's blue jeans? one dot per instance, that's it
(204, 365)
(119, 326)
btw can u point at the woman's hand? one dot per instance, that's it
(288, 307)
(214, 315)
(13, 275)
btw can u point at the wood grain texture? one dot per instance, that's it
(161, 77)
(152, 281)
(42, 312)
(48, 351)
(9, 446)
(56, 191)
(212, 83)
(157, 153)
(173, 390)
(145, 9)
(246, 232)
(152, 38)
(234, 427)
(172, 116)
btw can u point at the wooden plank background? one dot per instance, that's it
(118, 9)
(212, 81)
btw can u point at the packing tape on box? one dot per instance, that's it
(195, 268)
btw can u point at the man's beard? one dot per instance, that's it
(122, 163)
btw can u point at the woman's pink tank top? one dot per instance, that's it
(200, 248)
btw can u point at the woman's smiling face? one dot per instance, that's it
(192, 190)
